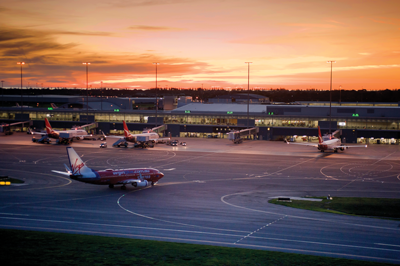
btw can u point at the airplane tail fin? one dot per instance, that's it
(126, 130)
(319, 136)
(54, 105)
(77, 166)
(49, 129)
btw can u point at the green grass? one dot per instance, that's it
(12, 180)
(383, 208)
(43, 248)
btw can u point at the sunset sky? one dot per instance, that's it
(201, 43)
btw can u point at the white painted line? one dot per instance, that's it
(397, 246)
(14, 214)
(210, 242)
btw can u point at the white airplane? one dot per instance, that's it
(65, 136)
(146, 139)
(330, 143)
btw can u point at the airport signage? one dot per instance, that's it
(187, 111)
(50, 108)
(270, 113)
(229, 112)
(116, 110)
(355, 115)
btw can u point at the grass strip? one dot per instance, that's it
(20, 247)
(375, 207)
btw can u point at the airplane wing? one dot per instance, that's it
(38, 133)
(352, 146)
(163, 139)
(114, 137)
(68, 173)
(304, 144)
(63, 173)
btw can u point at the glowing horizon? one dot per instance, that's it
(201, 43)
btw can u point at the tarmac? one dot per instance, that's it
(214, 192)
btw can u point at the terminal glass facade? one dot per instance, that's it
(223, 120)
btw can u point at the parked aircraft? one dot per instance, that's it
(146, 139)
(63, 137)
(138, 177)
(329, 143)
(23, 106)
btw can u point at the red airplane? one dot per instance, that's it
(146, 139)
(64, 136)
(331, 144)
(138, 177)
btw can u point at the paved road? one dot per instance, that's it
(213, 192)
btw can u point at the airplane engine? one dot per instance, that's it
(80, 138)
(144, 183)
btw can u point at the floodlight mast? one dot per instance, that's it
(330, 99)
(87, 90)
(248, 91)
(22, 100)
(156, 63)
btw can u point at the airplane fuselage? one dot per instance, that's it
(72, 133)
(331, 144)
(113, 177)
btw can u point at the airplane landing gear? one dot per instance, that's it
(111, 186)
(123, 187)
(152, 183)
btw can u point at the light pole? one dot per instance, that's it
(248, 91)
(340, 95)
(22, 101)
(2, 92)
(330, 99)
(87, 90)
(101, 89)
(156, 63)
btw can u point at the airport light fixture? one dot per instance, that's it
(248, 91)
(22, 101)
(330, 99)
(2, 92)
(87, 90)
(156, 63)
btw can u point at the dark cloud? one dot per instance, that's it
(81, 33)
(130, 3)
(17, 34)
(152, 28)
(20, 34)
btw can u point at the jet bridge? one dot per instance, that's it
(87, 127)
(7, 128)
(238, 136)
(159, 129)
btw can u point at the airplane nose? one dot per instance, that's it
(162, 175)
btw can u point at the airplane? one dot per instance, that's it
(54, 106)
(146, 139)
(138, 177)
(329, 143)
(63, 137)
(23, 106)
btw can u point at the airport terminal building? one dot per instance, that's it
(359, 123)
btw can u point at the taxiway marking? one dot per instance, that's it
(213, 242)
